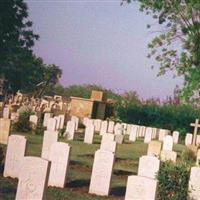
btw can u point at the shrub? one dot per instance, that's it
(23, 124)
(173, 181)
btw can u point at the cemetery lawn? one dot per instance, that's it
(80, 168)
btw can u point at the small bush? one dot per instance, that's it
(188, 157)
(23, 124)
(173, 181)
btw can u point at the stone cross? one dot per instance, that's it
(196, 125)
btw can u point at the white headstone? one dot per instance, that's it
(119, 138)
(148, 166)
(118, 129)
(6, 113)
(108, 136)
(62, 121)
(140, 188)
(76, 120)
(175, 136)
(111, 125)
(133, 133)
(57, 118)
(167, 143)
(33, 119)
(168, 155)
(101, 173)
(188, 139)
(49, 138)
(108, 145)
(97, 125)
(141, 131)
(89, 134)
(70, 129)
(155, 131)
(148, 135)
(59, 157)
(33, 179)
(194, 183)
(46, 117)
(15, 152)
(128, 130)
(162, 133)
(51, 124)
(104, 126)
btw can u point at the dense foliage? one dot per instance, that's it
(173, 181)
(23, 124)
(173, 117)
(18, 65)
(177, 44)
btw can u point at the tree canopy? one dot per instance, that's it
(20, 67)
(177, 46)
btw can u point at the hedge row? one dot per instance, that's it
(173, 117)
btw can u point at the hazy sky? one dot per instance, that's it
(101, 42)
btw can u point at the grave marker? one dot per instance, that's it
(15, 152)
(33, 178)
(101, 173)
(59, 157)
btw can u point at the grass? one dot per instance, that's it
(80, 168)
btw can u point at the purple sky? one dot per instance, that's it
(100, 42)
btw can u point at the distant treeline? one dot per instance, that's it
(130, 108)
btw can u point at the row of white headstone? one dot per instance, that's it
(35, 173)
(53, 166)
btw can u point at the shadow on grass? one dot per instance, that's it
(78, 183)
(75, 162)
(119, 172)
(89, 155)
(118, 191)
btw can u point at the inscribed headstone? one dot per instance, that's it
(111, 125)
(168, 143)
(33, 179)
(101, 173)
(175, 136)
(70, 129)
(168, 155)
(59, 157)
(89, 134)
(148, 166)
(15, 152)
(140, 188)
(148, 135)
(188, 139)
(49, 138)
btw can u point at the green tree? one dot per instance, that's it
(16, 39)
(177, 47)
